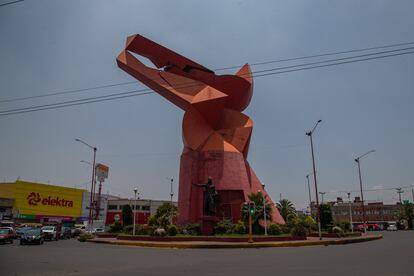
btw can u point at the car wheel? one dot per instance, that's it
(21, 242)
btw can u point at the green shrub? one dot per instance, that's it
(193, 229)
(116, 227)
(274, 229)
(344, 224)
(127, 229)
(239, 228)
(299, 231)
(224, 226)
(160, 232)
(338, 230)
(172, 230)
(152, 220)
(85, 236)
(285, 229)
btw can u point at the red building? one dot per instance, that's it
(144, 208)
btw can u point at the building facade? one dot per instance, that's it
(25, 201)
(144, 208)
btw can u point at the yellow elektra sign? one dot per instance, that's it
(42, 199)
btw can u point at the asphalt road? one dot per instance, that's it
(392, 255)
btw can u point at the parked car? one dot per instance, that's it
(50, 233)
(392, 227)
(20, 231)
(66, 233)
(11, 229)
(75, 232)
(98, 230)
(6, 235)
(32, 236)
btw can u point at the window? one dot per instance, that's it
(112, 207)
(145, 208)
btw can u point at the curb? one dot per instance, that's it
(241, 245)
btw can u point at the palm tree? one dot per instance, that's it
(286, 209)
(257, 198)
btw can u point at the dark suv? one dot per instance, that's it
(32, 236)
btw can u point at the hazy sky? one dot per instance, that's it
(49, 46)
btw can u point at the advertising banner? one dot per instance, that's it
(47, 200)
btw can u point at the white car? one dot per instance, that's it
(50, 233)
(392, 227)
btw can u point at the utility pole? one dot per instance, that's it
(399, 191)
(357, 160)
(135, 210)
(350, 211)
(314, 178)
(91, 203)
(310, 197)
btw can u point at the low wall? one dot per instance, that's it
(208, 238)
(336, 235)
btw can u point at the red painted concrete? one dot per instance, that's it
(209, 238)
(216, 134)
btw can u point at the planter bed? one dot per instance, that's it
(336, 235)
(208, 238)
(106, 235)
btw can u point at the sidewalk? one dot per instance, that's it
(311, 241)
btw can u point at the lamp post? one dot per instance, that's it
(310, 134)
(90, 217)
(310, 197)
(350, 211)
(357, 160)
(135, 210)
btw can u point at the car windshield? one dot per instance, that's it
(35, 231)
(48, 228)
(4, 231)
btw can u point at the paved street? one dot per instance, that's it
(391, 255)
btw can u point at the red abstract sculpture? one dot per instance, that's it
(216, 134)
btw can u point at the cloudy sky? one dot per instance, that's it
(54, 46)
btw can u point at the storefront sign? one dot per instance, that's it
(42, 199)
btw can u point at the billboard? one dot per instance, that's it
(101, 172)
(47, 200)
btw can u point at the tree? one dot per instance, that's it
(257, 198)
(286, 209)
(326, 216)
(164, 213)
(408, 209)
(406, 213)
(126, 215)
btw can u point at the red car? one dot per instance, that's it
(6, 235)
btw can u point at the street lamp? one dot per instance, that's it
(171, 201)
(357, 160)
(135, 209)
(310, 134)
(310, 197)
(264, 209)
(90, 218)
(86, 162)
(350, 211)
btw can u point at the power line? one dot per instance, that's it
(218, 69)
(322, 55)
(9, 3)
(134, 93)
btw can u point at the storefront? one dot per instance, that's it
(37, 202)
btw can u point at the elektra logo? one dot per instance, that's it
(34, 199)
